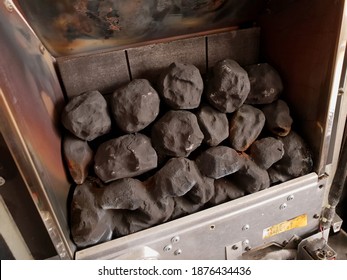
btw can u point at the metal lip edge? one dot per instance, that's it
(203, 217)
(165, 41)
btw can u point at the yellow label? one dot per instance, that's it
(297, 222)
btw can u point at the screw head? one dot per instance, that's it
(245, 242)
(235, 247)
(2, 181)
(9, 5)
(315, 216)
(42, 49)
(291, 197)
(245, 227)
(178, 252)
(283, 206)
(248, 248)
(167, 248)
(175, 239)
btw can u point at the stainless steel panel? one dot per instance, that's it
(207, 234)
(75, 26)
(30, 102)
(104, 72)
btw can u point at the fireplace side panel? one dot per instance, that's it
(306, 42)
(30, 102)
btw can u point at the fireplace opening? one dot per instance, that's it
(177, 146)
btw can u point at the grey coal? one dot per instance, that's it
(278, 119)
(245, 126)
(213, 124)
(169, 164)
(229, 86)
(78, 156)
(266, 84)
(126, 156)
(86, 116)
(266, 151)
(181, 86)
(135, 105)
(296, 161)
(177, 134)
(218, 162)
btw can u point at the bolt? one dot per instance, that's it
(330, 254)
(245, 242)
(178, 252)
(245, 227)
(248, 248)
(283, 206)
(291, 197)
(167, 248)
(315, 216)
(175, 239)
(9, 5)
(42, 49)
(2, 181)
(235, 247)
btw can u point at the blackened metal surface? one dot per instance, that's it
(107, 71)
(71, 27)
(103, 72)
(150, 61)
(239, 45)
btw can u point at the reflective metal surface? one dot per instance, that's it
(77, 26)
(30, 101)
(207, 234)
(306, 41)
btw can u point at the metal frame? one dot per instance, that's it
(30, 93)
(238, 224)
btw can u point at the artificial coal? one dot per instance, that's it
(86, 116)
(135, 105)
(176, 178)
(296, 161)
(245, 126)
(177, 134)
(213, 124)
(228, 87)
(78, 156)
(218, 162)
(266, 151)
(126, 156)
(141, 209)
(278, 119)
(225, 190)
(195, 199)
(266, 84)
(251, 177)
(181, 86)
(90, 224)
